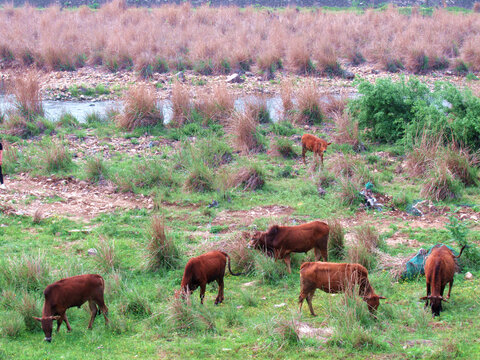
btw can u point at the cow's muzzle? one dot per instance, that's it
(49, 339)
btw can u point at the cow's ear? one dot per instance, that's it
(37, 318)
(273, 230)
(329, 143)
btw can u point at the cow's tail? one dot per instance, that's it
(229, 268)
(461, 250)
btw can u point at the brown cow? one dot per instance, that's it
(440, 267)
(204, 269)
(316, 145)
(280, 241)
(70, 292)
(335, 278)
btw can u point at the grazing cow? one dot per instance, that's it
(440, 267)
(280, 241)
(316, 145)
(204, 269)
(70, 292)
(335, 278)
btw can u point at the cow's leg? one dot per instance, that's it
(59, 321)
(309, 301)
(428, 293)
(321, 252)
(219, 298)
(69, 328)
(203, 287)
(93, 312)
(449, 289)
(103, 308)
(321, 157)
(304, 150)
(287, 261)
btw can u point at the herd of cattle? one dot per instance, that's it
(278, 242)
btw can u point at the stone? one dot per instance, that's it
(92, 251)
(468, 276)
(349, 75)
(235, 78)
(321, 191)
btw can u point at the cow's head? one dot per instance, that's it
(435, 303)
(258, 241)
(321, 147)
(47, 325)
(373, 301)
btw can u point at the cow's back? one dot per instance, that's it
(74, 291)
(301, 238)
(206, 267)
(440, 265)
(333, 277)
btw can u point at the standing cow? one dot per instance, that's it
(440, 267)
(70, 292)
(316, 145)
(335, 278)
(204, 269)
(280, 241)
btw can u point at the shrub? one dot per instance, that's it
(27, 97)
(68, 121)
(309, 109)
(96, 169)
(54, 157)
(181, 104)
(162, 253)
(250, 177)
(189, 318)
(11, 325)
(440, 184)
(284, 147)
(336, 240)
(31, 273)
(106, 257)
(346, 130)
(259, 110)
(268, 270)
(200, 178)
(246, 138)
(140, 108)
(135, 305)
(27, 308)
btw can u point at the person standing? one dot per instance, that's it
(2, 185)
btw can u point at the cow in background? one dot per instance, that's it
(440, 267)
(316, 145)
(280, 241)
(70, 292)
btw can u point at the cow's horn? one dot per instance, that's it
(444, 299)
(382, 297)
(37, 318)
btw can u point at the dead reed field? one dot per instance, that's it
(221, 40)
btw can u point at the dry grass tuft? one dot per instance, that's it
(309, 109)
(181, 104)
(217, 108)
(336, 240)
(286, 93)
(364, 246)
(243, 127)
(441, 184)
(106, 257)
(140, 108)
(343, 165)
(162, 252)
(27, 97)
(38, 216)
(346, 129)
(251, 178)
(236, 247)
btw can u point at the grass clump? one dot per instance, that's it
(27, 308)
(106, 258)
(31, 273)
(362, 251)
(140, 109)
(336, 240)
(135, 305)
(54, 157)
(268, 270)
(96, 169)
(184, 317)
(309, 107)
(200, 178)
(11, 325)
(283, 147)
(441, 184)
(249, 177)
(27, 97)
(162, 253)
(246, 137)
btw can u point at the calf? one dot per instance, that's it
(316, 145)
(335, 278)
(440, 267)
(204, 269)
(280, 241)
(70, 292)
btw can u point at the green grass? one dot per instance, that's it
(147, 323)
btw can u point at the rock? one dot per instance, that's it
(180, 76)
(235, 78)
(468, 276)
(321, 191)
(374, 71)
(349, 75)
(249, 73)
(153, 144)
(306, 127)
(279, 305)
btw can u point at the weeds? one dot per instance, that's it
(106, 258)
(140, 109)
(284, 147)
(440, 184)
(96, 169)
(251, 178)
(309, 109)
(336, 240)
(243, 127)
(31, 273)
(162, 251)
(27, 98)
